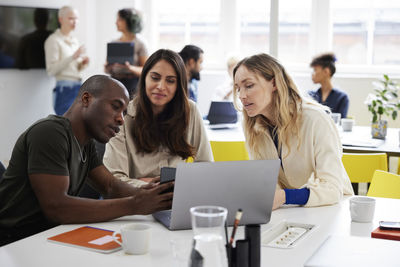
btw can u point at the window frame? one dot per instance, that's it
(321, 36)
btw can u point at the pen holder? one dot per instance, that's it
(238, 256)
(253, 235)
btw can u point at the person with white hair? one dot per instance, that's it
(65, 59)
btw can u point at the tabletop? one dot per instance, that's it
(329, 220)
(358, 140)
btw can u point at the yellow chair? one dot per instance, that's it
(385, 184)
(361, 167)
(229, 150)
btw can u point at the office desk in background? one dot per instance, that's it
(359, 135)
(35, 251)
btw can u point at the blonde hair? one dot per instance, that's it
(286, 106)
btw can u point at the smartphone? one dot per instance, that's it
(167, 175)
(385, 225)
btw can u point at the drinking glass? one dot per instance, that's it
(208, 233)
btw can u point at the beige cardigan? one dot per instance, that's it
(123, 162)
(317, 163)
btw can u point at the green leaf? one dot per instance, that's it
(386, 77)
(374, 118)
(394, 115)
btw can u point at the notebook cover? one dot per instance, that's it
(386, 234)
(87, 237)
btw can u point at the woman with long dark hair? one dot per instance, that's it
(162, 126)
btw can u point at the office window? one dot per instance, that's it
(366, 31)
(294, 29)
(254, 26)
(189, 22)
(386, 43)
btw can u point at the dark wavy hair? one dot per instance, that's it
(169, 128)
(132, 18)
(325, 61)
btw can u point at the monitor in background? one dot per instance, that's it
(23, 31)
(222, 112)
(120, 52)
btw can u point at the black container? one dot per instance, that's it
(238, 256)
(253, 235)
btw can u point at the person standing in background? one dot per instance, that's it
(65, 59)
(129, 23)
(193, 58)
(324, 69)
(225, 90)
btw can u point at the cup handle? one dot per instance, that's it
(116, 238)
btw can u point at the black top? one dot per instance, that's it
(337, 101)
(47, 147)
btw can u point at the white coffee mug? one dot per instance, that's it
(362, 209)
(135, 238)
(347, 124)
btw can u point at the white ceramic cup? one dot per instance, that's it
(135, 238)
(336, 118)
(362, 209)
(347, 124)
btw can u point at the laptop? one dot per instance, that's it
(222, 112)
(249, 185)
(120, 52)
(351, 251)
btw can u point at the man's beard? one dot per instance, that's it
(195, 75)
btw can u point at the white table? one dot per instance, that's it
(36, 251)
(359, 133)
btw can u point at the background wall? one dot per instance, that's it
(26, 96)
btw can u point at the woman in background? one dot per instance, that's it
(162, 126)
(324, 69)
(129, 23)
(279, 123)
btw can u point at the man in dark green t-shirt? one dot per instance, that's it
(52, 159)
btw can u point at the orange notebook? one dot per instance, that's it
(87, 237)
(386, 234)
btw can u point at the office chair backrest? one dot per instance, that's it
(385, 184)
(229, 151)
(361, 167)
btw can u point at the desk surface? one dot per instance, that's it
(359, 133)
(36, 251)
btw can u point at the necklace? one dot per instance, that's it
(82, 153)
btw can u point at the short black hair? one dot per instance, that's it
(325, 61)
(132, 18)
(190, 51)
(97, 84)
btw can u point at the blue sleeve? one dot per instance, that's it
(297, 196)
(344, 106)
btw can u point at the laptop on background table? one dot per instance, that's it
(222, 112)
(120, 52)
(249, 185)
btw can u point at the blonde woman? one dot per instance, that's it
(279, 123)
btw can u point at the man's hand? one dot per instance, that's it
(279, 199)
(149, 199)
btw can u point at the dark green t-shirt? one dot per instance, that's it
(48, 147)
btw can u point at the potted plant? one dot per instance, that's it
(383, 102)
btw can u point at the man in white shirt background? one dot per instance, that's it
(65, 59)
